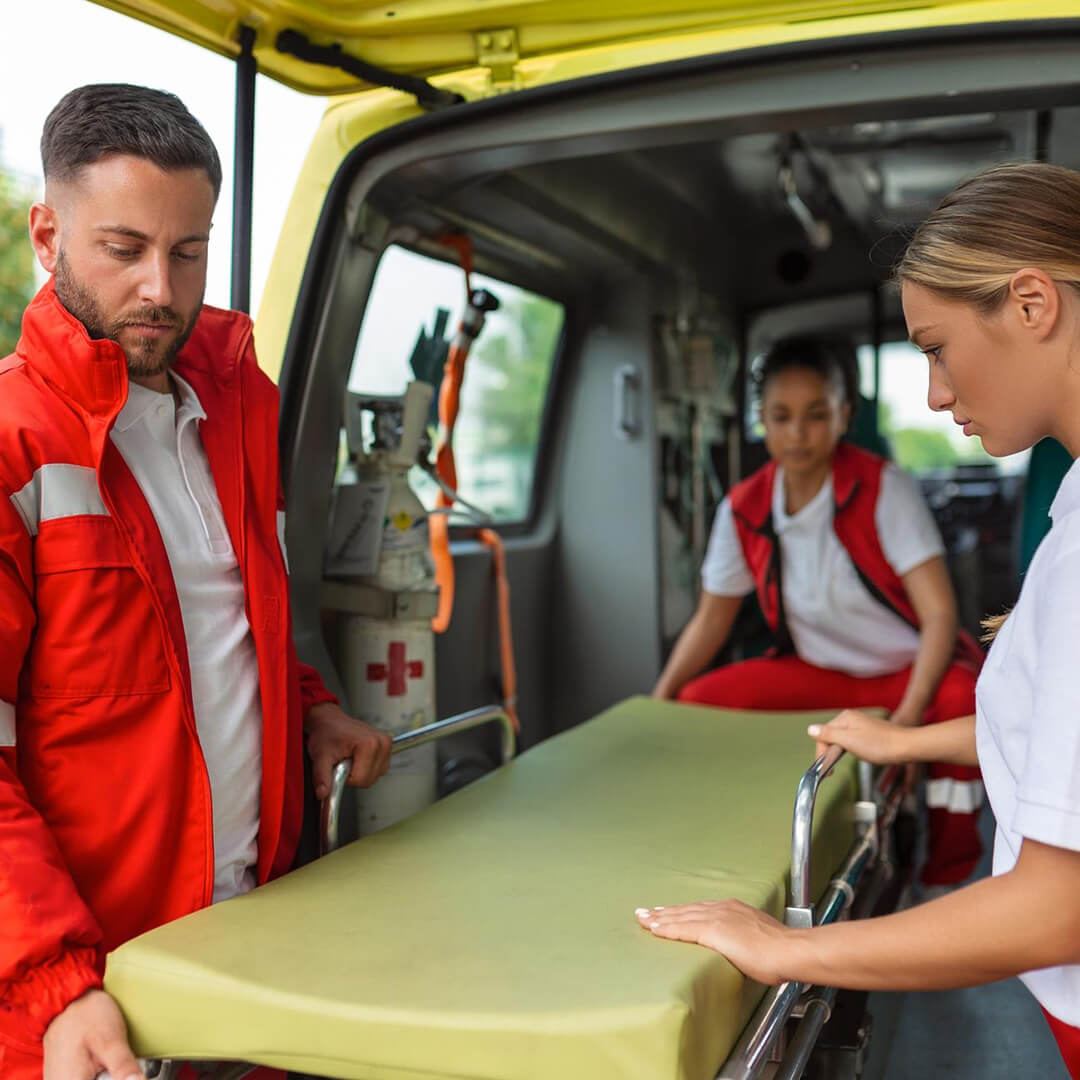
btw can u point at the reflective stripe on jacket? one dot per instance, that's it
(105, 813)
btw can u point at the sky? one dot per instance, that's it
(89, 44)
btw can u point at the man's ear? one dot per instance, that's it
(45, 235)
(1034, 301)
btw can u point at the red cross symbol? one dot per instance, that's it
(396, 672)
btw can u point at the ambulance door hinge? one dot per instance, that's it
(497, 50)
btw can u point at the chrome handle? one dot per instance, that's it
(331, 805)
(799, 912)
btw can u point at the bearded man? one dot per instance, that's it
(152, 709)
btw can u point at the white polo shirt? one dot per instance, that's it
(161, 444)
(834, 621)
(1028, 720)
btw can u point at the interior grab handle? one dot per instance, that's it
(627, 401)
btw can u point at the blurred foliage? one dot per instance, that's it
(925, 449)
(512, 370)
(918, 450)
(16, 260)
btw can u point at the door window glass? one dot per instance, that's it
(507, 376)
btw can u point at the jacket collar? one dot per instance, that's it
(92, 374)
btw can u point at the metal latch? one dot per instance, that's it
(497, 50)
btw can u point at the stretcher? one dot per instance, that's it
(492, 936)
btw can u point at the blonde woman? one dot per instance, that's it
(990, 286)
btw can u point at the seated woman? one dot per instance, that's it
(848, 567)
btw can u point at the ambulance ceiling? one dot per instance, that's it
(800, 213)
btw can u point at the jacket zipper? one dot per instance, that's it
(189, 708)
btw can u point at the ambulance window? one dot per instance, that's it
(919, 440)
(415, 304)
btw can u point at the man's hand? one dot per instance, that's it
(753, 941)
(89, 1036)
(332, 736)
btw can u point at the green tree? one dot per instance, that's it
(924, 449)
(511, 371)
(503, 399)
(918, 450)
(16, 260)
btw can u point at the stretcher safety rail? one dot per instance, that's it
(331, 806)
(753, 1050)
(679, 748)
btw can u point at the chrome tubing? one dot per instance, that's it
(818, 1000)
(801, 835)
(151, 1069)
(752, 1052)
(330, 823)
(818, 1009)
(168, 1070)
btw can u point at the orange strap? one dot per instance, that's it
(445, 467)
(449, 404)
(462, 245)
(506, 633)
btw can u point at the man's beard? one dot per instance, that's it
(148, 356)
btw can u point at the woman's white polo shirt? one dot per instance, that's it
(1028, 720)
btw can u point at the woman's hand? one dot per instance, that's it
(753, 941)
(878, 741)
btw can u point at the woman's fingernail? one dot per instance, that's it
(654, 926)
(641, 911)
(661, 908)
(814, 729)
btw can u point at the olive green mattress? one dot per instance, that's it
(493, 935)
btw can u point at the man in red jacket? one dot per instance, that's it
(152, 709)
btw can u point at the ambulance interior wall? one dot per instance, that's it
(605, 628)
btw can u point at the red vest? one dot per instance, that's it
(856, 483)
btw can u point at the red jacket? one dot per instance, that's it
(856, 483)
(105, 816)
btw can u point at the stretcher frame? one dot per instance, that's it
(853, 893)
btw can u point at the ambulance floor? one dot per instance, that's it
(981, 1033)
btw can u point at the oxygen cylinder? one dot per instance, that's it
(387, 660)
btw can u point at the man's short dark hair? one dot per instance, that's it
(95, 121)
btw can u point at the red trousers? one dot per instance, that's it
(1068, 1040)
(954, 793)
